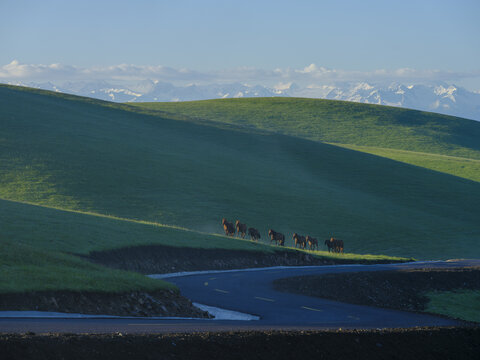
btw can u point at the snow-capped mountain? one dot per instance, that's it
(442, 98)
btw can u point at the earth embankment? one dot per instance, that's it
(400, 289)
(420, 343)
(158, 259)
(134, 303)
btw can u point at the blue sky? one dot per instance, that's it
(353, 36)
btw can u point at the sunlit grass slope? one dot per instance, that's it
(88, 155)
(457, 166)
(370, 128)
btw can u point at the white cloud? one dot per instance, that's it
(309, 75)
(16, 70)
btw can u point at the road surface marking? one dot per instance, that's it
(309, 308)
(353, 317)
(212, 278)
(222, 291)
(162, 324)
(264, 299)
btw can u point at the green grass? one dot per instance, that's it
(27, 268)
(81, 233)
(460, 304)
(350, 256)
(69, 153)
(38, 245)
(361, 125)
(457, 166)
(121, 171)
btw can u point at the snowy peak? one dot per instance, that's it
(442, 98)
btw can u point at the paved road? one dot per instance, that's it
(251, 292)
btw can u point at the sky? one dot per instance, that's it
(424, 38)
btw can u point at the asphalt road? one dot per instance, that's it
(252, 292)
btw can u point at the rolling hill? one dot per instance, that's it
(438, 142)
(91, 156)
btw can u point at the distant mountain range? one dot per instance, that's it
(441, 98)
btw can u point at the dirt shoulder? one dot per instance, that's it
(158, 259)
(421, 343)
(400, 289)
(135, 303)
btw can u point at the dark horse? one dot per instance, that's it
(279, 238)
(329, 244)
(338, 245)
(312, 242)
(254, 234)
(228, 227)
(334, 245)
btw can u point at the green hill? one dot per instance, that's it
(401, 134)
(39, 248)
(87, 155)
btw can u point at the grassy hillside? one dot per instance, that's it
(40, 248)
(37, 247)
(88, 155)
(370, 128)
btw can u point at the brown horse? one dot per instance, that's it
(338, 245)
(312, 242)
(299, 240)
(279, 238)
(334, 245)
(228, 227)
(241, 228)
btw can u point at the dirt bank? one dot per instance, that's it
(137, 303)
(402, 289)
(425, 344)
(157, 259)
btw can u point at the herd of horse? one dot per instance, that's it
(333, 245)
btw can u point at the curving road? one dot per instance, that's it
(250, 291)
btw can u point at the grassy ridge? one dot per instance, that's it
(38, 243)
(81, 233)
(37, 247)
(366, 127)
(69, 153)
(341, 122)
